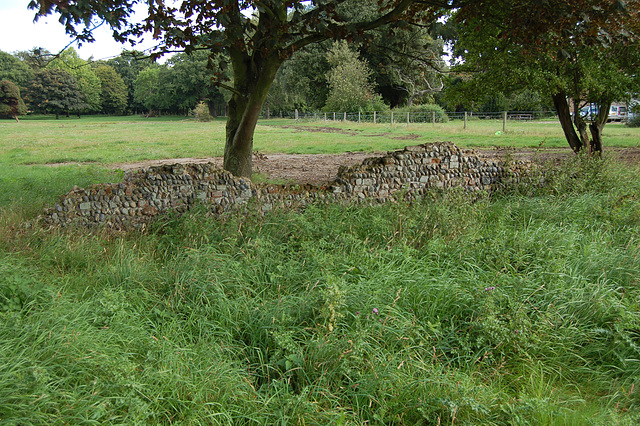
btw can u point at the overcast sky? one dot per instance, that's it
(19, 32)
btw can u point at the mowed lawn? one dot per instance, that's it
(108, 140)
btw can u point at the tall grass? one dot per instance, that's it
(519, 308)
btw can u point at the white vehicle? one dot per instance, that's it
(617, 113)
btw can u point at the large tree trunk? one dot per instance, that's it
(564, 115)
(252, 80)
(580, 124)
(596, 147)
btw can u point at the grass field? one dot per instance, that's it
(517, 308)
(122, 139)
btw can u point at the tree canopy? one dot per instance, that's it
(191, 81)
(128, 65)
(87, 80)
(256, 37)
(55, 90)
(579, 52)
(13, 69)
(113, 91)
(350, 88)
(147, 89)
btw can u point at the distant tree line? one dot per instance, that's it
(392, 69)
(67, 84)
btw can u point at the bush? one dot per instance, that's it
(11, 104)
(634, 121)
(424, 113)
(201, 112)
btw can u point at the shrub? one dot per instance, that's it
(11, 104)
(424, 113)
(634, 121)
(201, 112)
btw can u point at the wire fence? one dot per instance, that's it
(410, 117)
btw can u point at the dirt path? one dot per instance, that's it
(315, 169)
(318, 169)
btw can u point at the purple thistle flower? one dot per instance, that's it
(375, 311)
(489, 288)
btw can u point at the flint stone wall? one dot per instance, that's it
(146, 193)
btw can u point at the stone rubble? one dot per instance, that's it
(147, 193)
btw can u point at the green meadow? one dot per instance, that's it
(106, 140)
(520, 307)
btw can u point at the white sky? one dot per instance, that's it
(19, 32)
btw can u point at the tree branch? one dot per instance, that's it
(353, 28)
(229, 88)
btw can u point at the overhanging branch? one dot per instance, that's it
(229, 88)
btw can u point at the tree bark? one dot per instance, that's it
(596, 146)
(564, 115)
(580, 124)
(252, 80)
(410, 102)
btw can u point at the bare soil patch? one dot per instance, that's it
(322, 130)
(315, 169)
(319, 169)
(409, 137)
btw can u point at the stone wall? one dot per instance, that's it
(146, 193)
(419, 168)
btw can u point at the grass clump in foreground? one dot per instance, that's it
(510, 309)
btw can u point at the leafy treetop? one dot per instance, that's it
(55, 90)
(13, 69)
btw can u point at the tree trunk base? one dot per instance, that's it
(239, 163)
